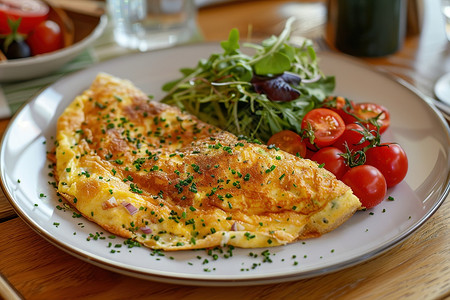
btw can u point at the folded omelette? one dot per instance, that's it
(150, 172)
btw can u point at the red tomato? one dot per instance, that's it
(31, 12)
(368, 111)
(288, 141)
(326, 125)
(337, 104)
(46, 37)
(309, 152)
(332, 160)
(353, 135)
(367, 183)
(391, 160)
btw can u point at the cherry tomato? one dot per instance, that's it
(288, 141)
(46, 37)
(337, 104)
(367, 183)
(391, 160)
(31, 13)
(368, 111)
(354, 137)
(309, 152)
(326, 124)
(332, 160)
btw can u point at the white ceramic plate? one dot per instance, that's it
(35, 66)
(415, 125)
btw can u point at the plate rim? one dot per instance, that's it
(208, 280)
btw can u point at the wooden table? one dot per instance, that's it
(418, 268)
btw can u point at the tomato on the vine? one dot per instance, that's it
(326, 126)
(391, 160)
(46, 37)
(369, 112)
(339, 105)
(367, 183)
(31, 13)
(355, 137)
(332, 160)
(288, 141)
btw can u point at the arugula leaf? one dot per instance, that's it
(232, 44)
(219, 89)
(276, 63)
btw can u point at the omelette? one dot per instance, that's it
(149, 172)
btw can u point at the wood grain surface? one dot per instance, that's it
(417, 268)
(6, 211)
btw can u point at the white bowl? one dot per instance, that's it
(35, 66)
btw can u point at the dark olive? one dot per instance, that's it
(17, 49)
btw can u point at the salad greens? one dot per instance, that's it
(220, 91)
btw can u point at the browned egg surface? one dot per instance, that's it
(147, 171)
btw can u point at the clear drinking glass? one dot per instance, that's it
(445, 8)
(442, 85)
(152, 24)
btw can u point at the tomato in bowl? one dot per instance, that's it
(77, 34)
(30, 12)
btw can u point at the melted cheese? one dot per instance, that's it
(147, 171)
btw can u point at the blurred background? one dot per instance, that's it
(421, 58)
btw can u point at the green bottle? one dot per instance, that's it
(367, 28)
